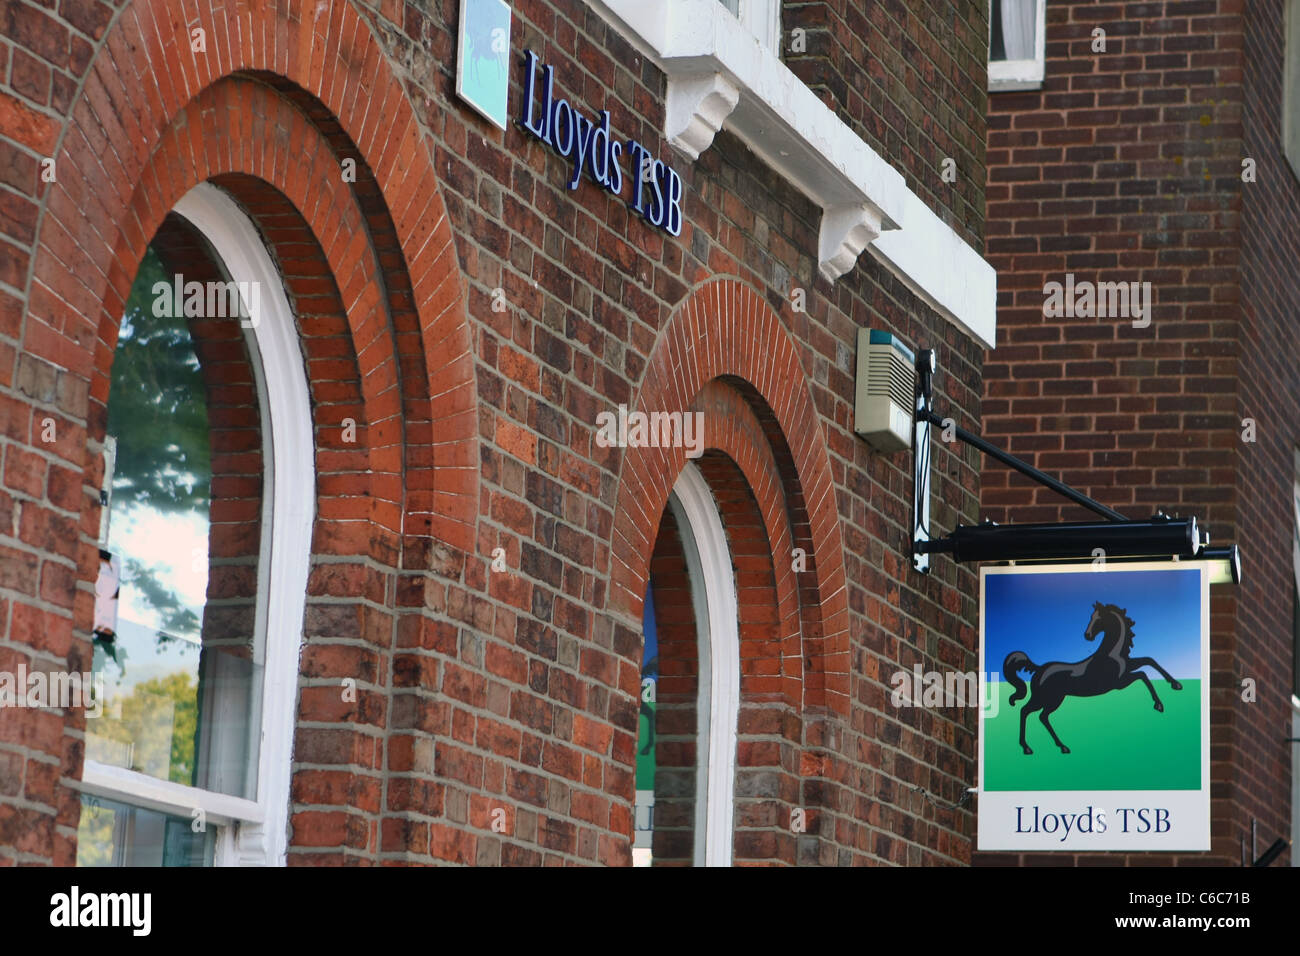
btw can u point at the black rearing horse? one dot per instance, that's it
(1109, 668)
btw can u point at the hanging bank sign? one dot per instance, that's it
(656, 189)
(1100, 740)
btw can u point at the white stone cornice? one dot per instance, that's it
(695, 110)
(705, 52)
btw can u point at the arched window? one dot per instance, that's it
(691, 683)
(209, 496)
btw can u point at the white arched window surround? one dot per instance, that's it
(254, 832)
(708, 563)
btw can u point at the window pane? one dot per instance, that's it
(643, 825)
(115, 834)
(997, 46)
(678, 747)
(178, 652)
(1013, 29)
(732, 5)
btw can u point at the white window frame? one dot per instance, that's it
(254, 832)
(1007, 75)
(717, 622)
(762, 18)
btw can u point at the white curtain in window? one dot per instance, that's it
(1018, 20)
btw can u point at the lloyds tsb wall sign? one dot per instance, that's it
(656, 189)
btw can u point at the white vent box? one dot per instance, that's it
(886, 391)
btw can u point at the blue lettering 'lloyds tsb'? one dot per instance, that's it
(591, 147)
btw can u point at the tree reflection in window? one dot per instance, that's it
(158, 413)
(182, 671)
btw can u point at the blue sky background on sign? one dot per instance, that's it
(1045, 615)
(1117, 740)
(482, 68)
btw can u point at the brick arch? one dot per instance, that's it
(741, 470)
(725, 330)
(286, 181)
(293, 202)
(743, 474)
(768, 735)
(138, 93)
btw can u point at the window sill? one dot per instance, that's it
(164, 796)
(1008, 75)
(719, 74)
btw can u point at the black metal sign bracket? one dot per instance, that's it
(1160, 537)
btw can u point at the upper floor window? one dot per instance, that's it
(1017, 44)
(761, 17)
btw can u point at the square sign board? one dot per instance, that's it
(1096, 731)
(482, 58)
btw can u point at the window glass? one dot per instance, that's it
(643, 825)
(1012, 29)
(178, 652)
(675, 755)
(670, 751)
(115, 834)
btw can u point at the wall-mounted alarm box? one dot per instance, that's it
(886, 391)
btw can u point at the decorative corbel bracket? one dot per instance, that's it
(845, 232)
(695, 110)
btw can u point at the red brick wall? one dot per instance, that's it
(1270, 393)
(886, 66)
(483, 690)
(1127, 166)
